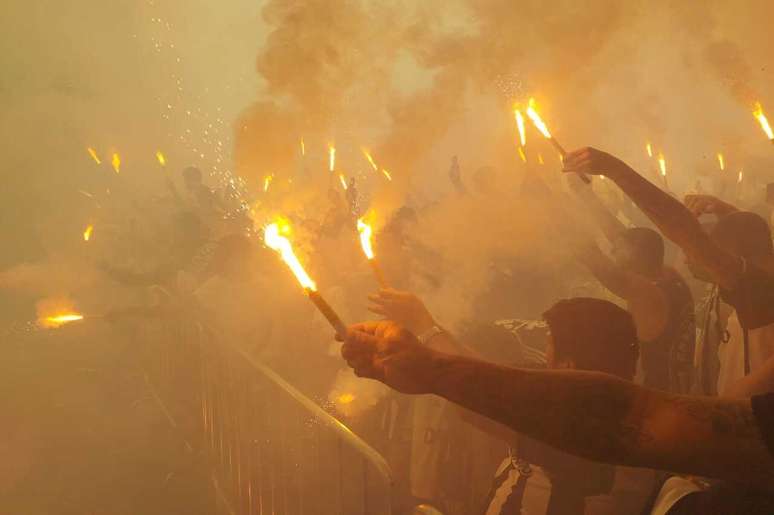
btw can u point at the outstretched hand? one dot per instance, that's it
(591, 161)
(389, 353)
(403, 307)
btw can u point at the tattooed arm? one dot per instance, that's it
(673, 219)
(589, 414)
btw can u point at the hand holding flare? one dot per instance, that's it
(365, 241)
(281, 244)
(543, 128)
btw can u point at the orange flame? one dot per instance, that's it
(387, 174)
(59, 320)
(536, 120)
(345, 398)
(161, 159)
(275, 241)
(758, 114)
(87, 233)
(365, 238)
(94, 156)
(116, 162)
(520, 126)
(662, 164)
(649, 149)
(721, 162)
(370, 159)
(343, 181)
(331, 158)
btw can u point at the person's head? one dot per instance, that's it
(743, 234)
(592, 334)
(192, 177)
(640, 250)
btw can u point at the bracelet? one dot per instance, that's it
(428, 335)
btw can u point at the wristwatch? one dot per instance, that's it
(428, 335)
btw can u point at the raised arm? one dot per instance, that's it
(593, 415)
(672, 218)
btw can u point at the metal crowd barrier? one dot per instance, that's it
(270, 449)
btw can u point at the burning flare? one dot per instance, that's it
(87, 233)
(535, 117)
(161, 159)
(93, 154)
(366, 232)
(758, 114)
(387, 174)
(649, 149)
(267, 182)
(721, 162)
(662, 164)
(370, 159)
(343, 181)
(520, 126)
(275, 241)
(116, 162)
(331, 158)
(59, 319)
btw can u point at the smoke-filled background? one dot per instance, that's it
(238, 88)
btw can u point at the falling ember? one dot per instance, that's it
(721, 162)
(343, 181)
(662, 164)
(758, 114)
(87, 233)
(387, 174)
(267, 182)
(281, 244)
(59, 320)
(522, 155)
(649, 149)
(94, 156)
(370, 159)
(331, 158)
(116, 162)
(303, 148)
(741, 177)
(520, 126)
(161, 159)
(540, 159)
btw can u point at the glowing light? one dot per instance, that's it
(87, 233)
(758, 114)
(161, 159)
(94, 156)
(345, 398)
(267, 182)
(740, 178)
(116, 162)
(60, 319)
(520, 126)
(721, 162)
(331, 158)
(303, 148)
(343, 181)
(275, 241)
(662, 164)
(365, 238)
(387, 174)
(370, 159)
(522, 155)
(649, 149)
(536, 120)
(540, 159)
